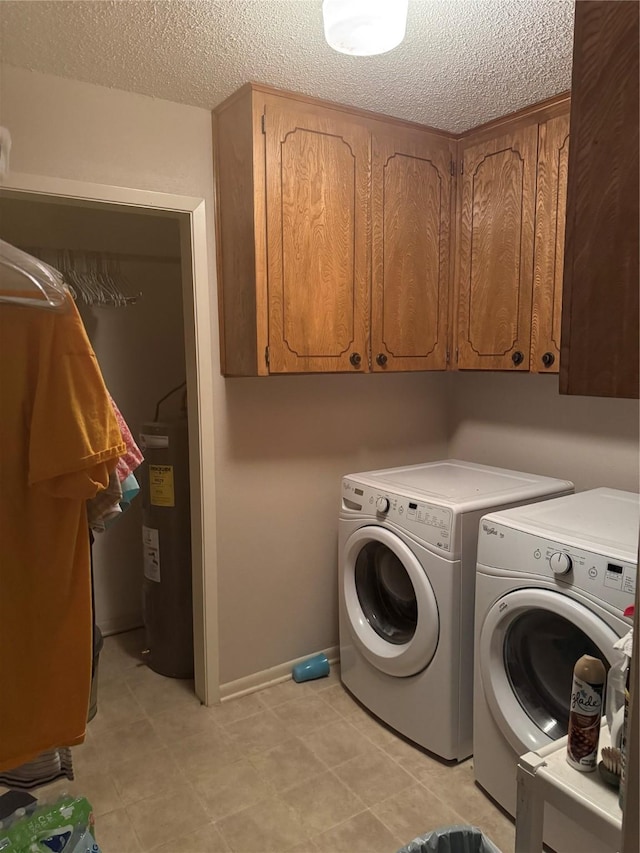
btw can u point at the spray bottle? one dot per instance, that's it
(585, 713)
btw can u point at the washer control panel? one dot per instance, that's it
(606, 577)
(427, 522)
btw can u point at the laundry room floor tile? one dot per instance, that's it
(305, 715)
(413, 811)
(340, 700)
(185, 721)
(373, 776)
(337, 742)
(205, 840)
(272, 826)
(288, 764)
(363, 833)
(138, 779)
(498, 828)
(293, 768)
(259, 732)
(198, 755)
(156, 693)
(322, 802)
(232, 789)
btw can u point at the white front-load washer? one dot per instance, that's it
(553, 580)
(407, 558)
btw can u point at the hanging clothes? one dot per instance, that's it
(59, 442)
(133, 457)
(108, 505)
(105, 507)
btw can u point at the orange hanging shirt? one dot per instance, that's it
(59, 440)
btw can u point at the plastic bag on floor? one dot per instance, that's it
(451, 839)
(65, 826)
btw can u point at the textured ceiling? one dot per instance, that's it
(463, 62)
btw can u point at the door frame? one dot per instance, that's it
(198, 353)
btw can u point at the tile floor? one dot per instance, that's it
(296, 768)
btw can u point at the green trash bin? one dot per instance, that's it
(451, 839)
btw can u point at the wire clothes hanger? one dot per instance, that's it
(95, 278)
(25, 280)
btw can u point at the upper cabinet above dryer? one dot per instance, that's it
(334, 231)
(495, 250)
(511, 209)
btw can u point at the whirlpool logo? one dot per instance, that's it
(489, 530)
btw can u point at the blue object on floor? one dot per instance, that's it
(313, 667)
(452, 839)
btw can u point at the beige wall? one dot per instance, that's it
(285, 443)
(282, 443)
(521, 421)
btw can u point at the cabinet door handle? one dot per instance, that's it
(381, 359)
(355, 358)
(517, 358)
(548, 358)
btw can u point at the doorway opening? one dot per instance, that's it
(143, 321)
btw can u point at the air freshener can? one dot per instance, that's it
(585, 713)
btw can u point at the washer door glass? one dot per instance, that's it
(540, 651)
(527, 646)
(388, 600)
(386, 594)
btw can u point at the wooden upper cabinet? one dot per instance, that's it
(292, 183)
(411, 225)
(336, 230)
(295, 198)
(318, 249)
(600, 351)
(495, 250)
(551, 198)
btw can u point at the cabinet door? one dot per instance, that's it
(495, 272)
(318, 238)
(551, 202)
(411, 225)
(599, 353)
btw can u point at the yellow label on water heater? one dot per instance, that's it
(161, 485)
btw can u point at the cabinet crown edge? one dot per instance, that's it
(540, 110)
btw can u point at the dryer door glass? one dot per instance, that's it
(386, 593)
(540, 651)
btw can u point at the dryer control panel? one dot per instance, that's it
(428, 522)
(604, 576)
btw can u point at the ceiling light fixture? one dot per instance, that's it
(364, 27)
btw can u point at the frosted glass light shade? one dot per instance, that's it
(364, 27)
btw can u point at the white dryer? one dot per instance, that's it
(407, 559)
(552, 583)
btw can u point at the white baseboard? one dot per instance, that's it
(268, 677)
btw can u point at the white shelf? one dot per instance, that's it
(546, 776)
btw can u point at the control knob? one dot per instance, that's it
(383, 504)
(560, 563)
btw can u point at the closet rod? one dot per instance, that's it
(169, 259)
(120, 256)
